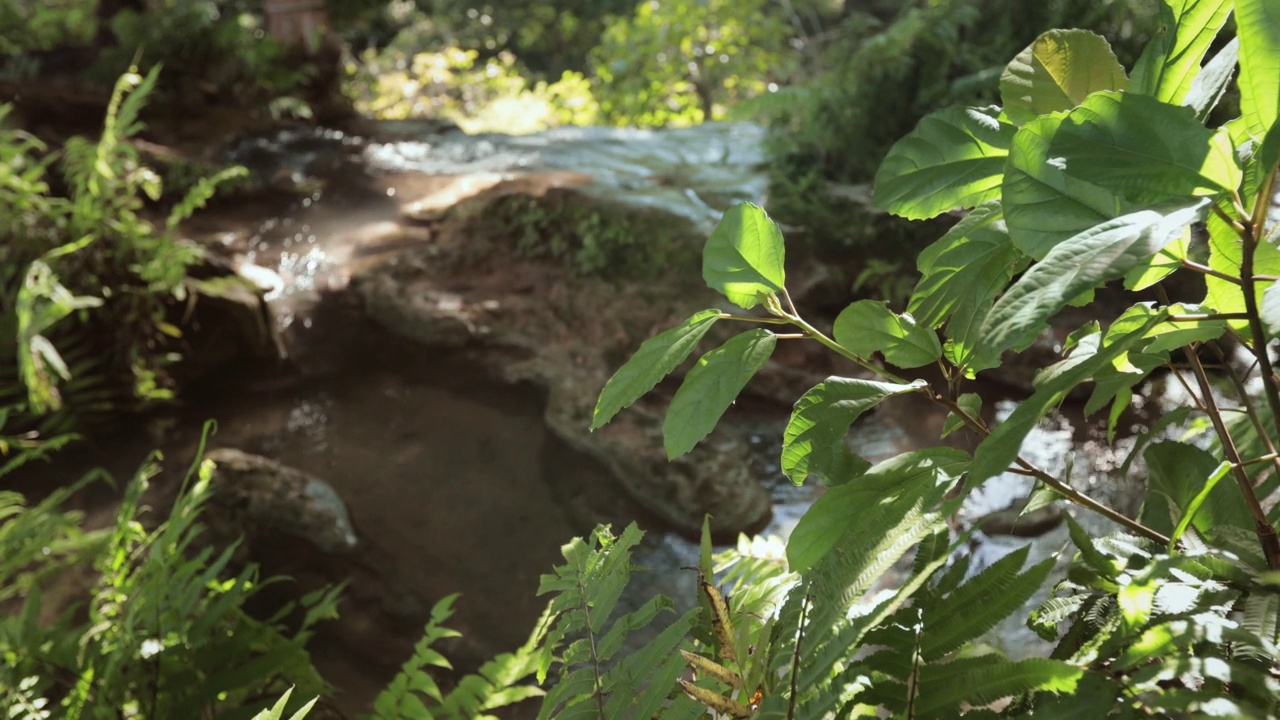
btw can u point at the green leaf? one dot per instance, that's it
(1177, 473)
(1043, 205)
(657, 357)
(1001, 447)
(971, 403)
(1109, 140)
(945, 685)
(1225, 255)
(1171, 61)
(961, 275)
(743, 258)
(1269, 309)
(711, 387)
(1160, 265)
(822, 417)
(1057, 72)
(1258, 27)
(869, 326)
(1082, 263)
(863, 509)
(991, 596)
(1212, 82)
(952, 159)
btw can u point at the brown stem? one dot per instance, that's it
(1266, 533)
(1206, 270)
(1247, 404)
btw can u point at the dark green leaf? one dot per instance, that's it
(1001, 448)
(1043, 205)
(657, 357)
(946, 685)
(869, 326)
(1057, 72)
(952, 159)
(1109, 141)
(1176, 474)
(1258, 26)
(743, 258)
(1171, 61)
(971, 404)
(711, 387)
(860, 508)
(961, 275)
(822, 417)
(1082, 263)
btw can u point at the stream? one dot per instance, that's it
(452, 479)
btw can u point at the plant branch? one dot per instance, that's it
(755, 319)
(1266, 533)
(841, 350)
(795, 658)
(1247, 404)
(1201, 317)
(1255, 317)
(598, 690)
(1085, 501)
(1206, 270)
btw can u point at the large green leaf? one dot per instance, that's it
(858, 513)
(711, 387)
(960, 276)
(869, 326)
(1171, 61)
(1078, 265)
(1143, 149)
(945, 686)
(1258, 26)
(821, 419)
(1057, 72)
(1042, 204)
(1212, 82)
(743, 258)
(952, 159)
(1176, 474)
(1001, 447)
(657, 357)
(1226, 254)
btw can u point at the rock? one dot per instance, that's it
(252, 493)
(535, 320)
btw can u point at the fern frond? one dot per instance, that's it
(1262, 615)
(978, 681)
(979, 604)
(201, 193)
(1045, 619)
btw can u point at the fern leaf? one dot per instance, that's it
(1261, 611)
(982, 602)
(945, 686)
(1045, 619)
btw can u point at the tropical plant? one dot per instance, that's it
(1086, 175)
(161, 632)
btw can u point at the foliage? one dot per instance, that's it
(1086, 175)
(402, 81)
(594, 238)
(27, 26)
(90, 251)
(680, 62)
(162, 632)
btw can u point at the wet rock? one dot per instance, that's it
(253, 494)
(536, 320)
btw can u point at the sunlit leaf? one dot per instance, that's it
(743, 258)
(822, 418)
(869, 326)
(1095, 256)
(711, 387)
(1171, 61)
(1258, 27)
(657, 357)
(952, 159)
(1057, 72)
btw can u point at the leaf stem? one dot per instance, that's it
(1206, 270)
(842, 351)
(1201, 317)
(1266, 534)
(755, 319)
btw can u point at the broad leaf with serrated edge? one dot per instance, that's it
(1057, 72)
(1109, 140)
(1042, 204)
(869, 326)
(1082, 263)
(1212, 82)
(743, 258)
(1001, 447)
(952, 159)
(1258, 27)
(1170, 62)
(657, 357)
(960, 276)
(711, 387)
(856, 508)
(1176, 474)
(822, 417)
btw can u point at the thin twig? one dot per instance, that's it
(795, 659)
(1206, 270)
